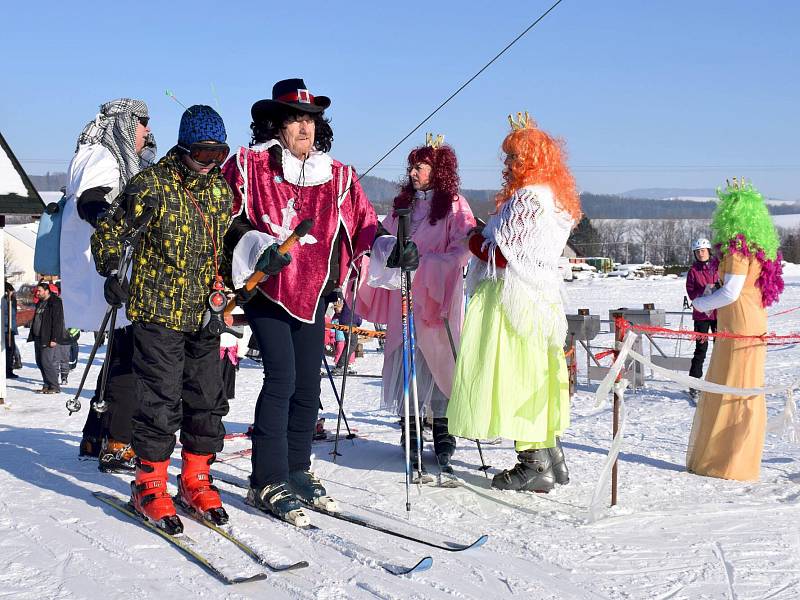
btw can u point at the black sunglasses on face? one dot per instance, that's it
(143, 120)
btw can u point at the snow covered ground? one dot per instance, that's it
(673, 535)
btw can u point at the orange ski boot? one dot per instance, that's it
(150, 498)
(195, 490)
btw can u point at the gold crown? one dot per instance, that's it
(521, 122)
(737, 184)
(434, 142)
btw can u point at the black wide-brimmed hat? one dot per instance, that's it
(289, 93)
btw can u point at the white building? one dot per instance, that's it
(17, 197)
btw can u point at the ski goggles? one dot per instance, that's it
(207, 154)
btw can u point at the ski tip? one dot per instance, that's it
(237, 580)
(302, 564)
(476, 544)
(423, 565)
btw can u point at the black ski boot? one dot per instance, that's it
(559, 464)
(533, 473)
(416, 464)
(444, 444)
(116, 457)
(278, 500)
(309, 489)
(90, 446)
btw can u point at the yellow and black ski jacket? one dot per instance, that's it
(173, 264)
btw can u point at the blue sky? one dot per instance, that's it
(646, 93)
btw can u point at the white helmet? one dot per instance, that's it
(700, 243)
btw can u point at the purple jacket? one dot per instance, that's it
(700, 275)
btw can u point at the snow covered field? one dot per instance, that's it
(673, 535)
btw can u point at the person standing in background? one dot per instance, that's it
(47, 332)
(9, 319)
(701, 281)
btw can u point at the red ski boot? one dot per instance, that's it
(195, 491)
(150, 498)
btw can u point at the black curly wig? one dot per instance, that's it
(268, 129)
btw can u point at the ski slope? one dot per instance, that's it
(673, 535)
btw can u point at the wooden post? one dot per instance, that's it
(618, 319)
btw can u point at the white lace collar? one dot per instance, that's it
(316, 170)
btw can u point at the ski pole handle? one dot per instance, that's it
(246, 293)
(403, 217)
(403, 227)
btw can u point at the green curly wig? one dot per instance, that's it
(742, 213)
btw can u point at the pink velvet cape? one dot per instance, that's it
(298, 285)
(437, 292)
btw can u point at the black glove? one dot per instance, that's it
(271, 261)
(407, 258)
(115, 291)
(380, 231)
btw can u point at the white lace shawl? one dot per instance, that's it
(531, 234)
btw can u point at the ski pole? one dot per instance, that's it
(74, 405)
(128, 243)
(680, 325)
(484, 467)
(405, 357)
(101, 406)
(248, 291)
(335, 451)
(412, 342)
(350, 435)
(404, 217)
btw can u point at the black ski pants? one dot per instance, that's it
(47, 361)
(288, 405)
(11, 348)
(117, 422)
(701, 347)
(180, 387)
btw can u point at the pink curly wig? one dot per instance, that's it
(538, 158)
(444, 180)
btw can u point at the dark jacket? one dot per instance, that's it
(700, 275)
(347, 316)
(173, 263)
(4, 315)
(48, 323)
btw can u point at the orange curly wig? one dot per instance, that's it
(538, 158)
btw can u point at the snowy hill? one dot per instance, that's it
(673, 535)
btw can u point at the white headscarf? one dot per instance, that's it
(114, 127)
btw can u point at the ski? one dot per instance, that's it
(423, 564)
(181, 541)
(362, 522)
(365, 375)
(227, 532)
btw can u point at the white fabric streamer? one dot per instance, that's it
(597, 504)
(605, 386)
(784, 424)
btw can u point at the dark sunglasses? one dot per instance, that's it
(143, 120)
(207, 154)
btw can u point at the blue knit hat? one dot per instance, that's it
(201, 123)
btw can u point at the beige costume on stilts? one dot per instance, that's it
(728, 431)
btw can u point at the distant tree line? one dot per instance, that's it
(628, 230)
